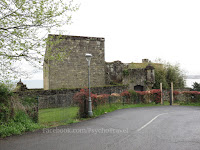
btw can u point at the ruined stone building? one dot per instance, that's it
(72, 71)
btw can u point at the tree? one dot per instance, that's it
(160, 77)
(166, 73)
(24, 25)
(175, 74)
(196, 86)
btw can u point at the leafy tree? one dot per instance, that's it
(166, 73)
(196, 86)
(160, 77)
(24, 25)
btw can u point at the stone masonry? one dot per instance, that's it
(136, 79)
(72, 72)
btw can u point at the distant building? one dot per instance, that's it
(72, 72)
(20, 87)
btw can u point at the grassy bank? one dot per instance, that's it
(58, 116)
(19, 124)
(66, 115)
(190, 104)
(102, 109)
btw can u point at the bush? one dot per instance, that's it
(142, 96)
(129, 97)
(16, 116)
(156, 95)
(18, 125)
(134, 96)
(31, 107)
(5, 103)
(166, 73)
(191, 96)
(5, 93)
(80, 99)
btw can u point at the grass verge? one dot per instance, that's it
(190, 104)
(102, 109)
(58, 116)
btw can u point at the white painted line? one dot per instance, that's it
(150, 121)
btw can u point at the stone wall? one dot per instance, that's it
(114, 72)
(134, 77)
(180, 97)
(120, 73)
(64, 97)
(72, 72)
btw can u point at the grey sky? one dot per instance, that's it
(137, 29)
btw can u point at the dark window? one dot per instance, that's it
(138, 88)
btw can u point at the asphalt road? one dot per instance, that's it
(148, 128)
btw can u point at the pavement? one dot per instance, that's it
(147, 128)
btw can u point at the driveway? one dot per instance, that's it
(148, 128)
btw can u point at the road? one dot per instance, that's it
(148, 128)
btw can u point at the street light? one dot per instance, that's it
(88, 58)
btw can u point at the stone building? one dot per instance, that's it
(138, 79)
(20, 86)
(72, 71)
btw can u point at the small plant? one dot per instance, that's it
(125, 72)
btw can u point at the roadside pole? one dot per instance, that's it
(171, 94)
(161, 95)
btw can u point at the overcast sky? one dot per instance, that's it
(137, 29)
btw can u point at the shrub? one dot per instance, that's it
(80, 98)
(175, 94)
(156, 94)
(19, 124)
(192, 96)
(144, 96)
(5, 93)
(14, 113)
(31, 107)
(126, 94)
(5, 103)
(134, 96)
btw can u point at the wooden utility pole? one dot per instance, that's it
(161, 95)
(171, 94)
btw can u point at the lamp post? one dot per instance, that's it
(88, 58)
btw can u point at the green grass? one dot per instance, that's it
(190, 104)
(66, 115)
(102, 109)
(58, 116)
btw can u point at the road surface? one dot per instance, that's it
(148, 128)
